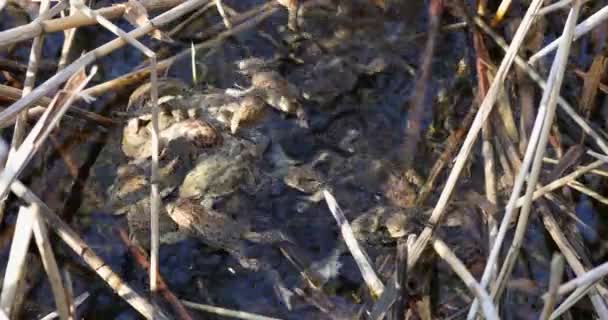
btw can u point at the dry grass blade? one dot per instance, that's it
(584, 190)
(367, 271)
(87, 254)
(10, 113)
(225, 312)
(581, 29)
(484, 111)
(459, 268)
(557, 271)
(549, 99)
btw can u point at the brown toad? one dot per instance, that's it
(219, 230)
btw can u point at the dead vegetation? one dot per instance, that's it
(362, 159)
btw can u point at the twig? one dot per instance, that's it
(581, 29)
(459, 268)
(163, 289)
(557, 271)
(417, 107)
(225, 312)
(482, 114)
(367, 271)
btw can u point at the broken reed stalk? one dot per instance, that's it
(536, 147)
(590, 193)
(37, 28)
(367, 271)
(155, 201)
(486, 107)
(598, 172)
(489, 311)
(87, 254)
(50, 263)
(581, 29)
(9, 114)
(557, 272)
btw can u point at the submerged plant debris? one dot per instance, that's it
(281, 129)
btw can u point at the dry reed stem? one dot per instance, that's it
(36, 28)
(69, 36)
(598, 172)
(155, 201)
(549, 99)
(555, 6)
(533, 74)
(572, 299)
(557, 272)
(465, 275)
(15, 267)
(76, 112)
(581, 29)
(518, 185)
(72, 239)
(8, 114)
(572, 257)
(13, 168)
(225, 312)
(367, 271)
(590, 193)
(482, 114)
(220, 9)
(49, 262)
